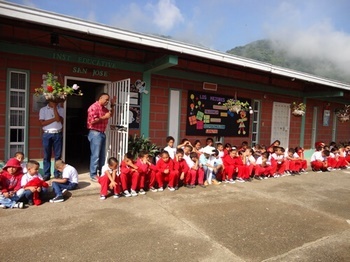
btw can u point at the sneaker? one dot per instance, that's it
(126, 193)
(241, 180)
(64, 191)
(2, 206)
(171, 188)
(102, 197)
(30, 202)
(94, 179)
(231, 181)
(201, 185)
(227, 181)
(160, 189)
(329, 169)
(153, 189)
(57, 199)
(190, 186)
(116, 196)
(133, 193)
(266, 177)
(19, 205)
(142, 192)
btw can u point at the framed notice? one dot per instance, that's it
(207, 116)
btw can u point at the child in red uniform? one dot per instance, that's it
(10, 179)
(293, 164)
(165, 171)
(319, 160)
(278, 161)
(142, 164)
(129, 177)
(109, 178)
(195, 172)
(299, 154)
(263, 168)
(181, 167)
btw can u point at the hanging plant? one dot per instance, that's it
(298, 109)
(235, 105)
(343, 114)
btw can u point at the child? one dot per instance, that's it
(10, 181)
(165, 171)
(170, 147)
(33, 183)
(109, 178)
(217, 168)
(263, 168)
(299, 154)
(20, 157)
(220, 148)
(249, 160)
(142, 164)
(278, 161)
(204, 163)
(69, 180)
(129, 175)
(195, 173)
(319, 160)
(181, 167)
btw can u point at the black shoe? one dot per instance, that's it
(46, 178)
(30, 203)
(201, 185)
(57, 199)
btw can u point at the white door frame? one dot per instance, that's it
(285, 129)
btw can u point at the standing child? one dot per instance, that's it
(69, 180)
(10, 179)
(109, 178)
(33, 184)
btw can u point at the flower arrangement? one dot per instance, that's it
(235, 105)
(343, 114)
(52, 90)
(298, 109)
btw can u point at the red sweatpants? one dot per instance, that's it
(129, 180)
(104, 182)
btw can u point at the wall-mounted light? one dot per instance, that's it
(55, 40)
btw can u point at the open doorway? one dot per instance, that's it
(77, 147)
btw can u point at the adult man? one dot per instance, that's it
(97, 120)
(51, 118)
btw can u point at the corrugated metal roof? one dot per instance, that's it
(69, 23)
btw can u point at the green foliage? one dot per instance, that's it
(140, 143)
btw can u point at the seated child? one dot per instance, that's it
(10, 181)
(249, 160)
(278, 161)
(217, 168)
(129, 175)
(299, 154)
(263, 168)
(204, 164)
(319, 160)
(33, 184)
(109, 178)
(69, 180)
(142, 164)
(20, 157)
(165, 171)
(181, 167)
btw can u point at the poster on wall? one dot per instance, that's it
(206, 115)
(134, 108)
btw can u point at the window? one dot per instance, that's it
(16, 128)
(256, 121)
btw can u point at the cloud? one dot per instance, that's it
(166, 15)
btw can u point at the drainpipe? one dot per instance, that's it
(145, 105)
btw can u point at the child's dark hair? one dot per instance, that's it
(209, 139)
(291, 150)
(32, 163)
(193, 154)
(19, 153)
(164, 152)
(142, 153)
(228, 145)
(112, 160)
(129, 155)
(265, 154)
(190, 147)
(326, 152)
(169, 138)
(215, 152)
(179, 151)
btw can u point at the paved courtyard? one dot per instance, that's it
(300, 218)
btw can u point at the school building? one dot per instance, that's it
(184, 92)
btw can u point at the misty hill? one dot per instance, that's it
(274, 53)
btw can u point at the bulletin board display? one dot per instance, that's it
(207, 116)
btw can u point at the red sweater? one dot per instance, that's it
(10, 182)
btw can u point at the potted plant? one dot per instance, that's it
(235, 105)
(140, 143)
(343, 114)
(52, 90)
(298, 109)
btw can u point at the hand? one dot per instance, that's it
(166, 171)
(113, 100)
(38, 189)
(6, 194)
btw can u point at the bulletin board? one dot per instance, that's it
(207, 116)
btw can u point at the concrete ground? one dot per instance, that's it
(299, 218)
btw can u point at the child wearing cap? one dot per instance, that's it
(10, 181)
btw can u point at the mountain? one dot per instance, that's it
(272, 53)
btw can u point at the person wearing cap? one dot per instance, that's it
(51, 119)
(10, 181)
(204, 164)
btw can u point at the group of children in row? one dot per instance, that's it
(190, 165)
(21, 183)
